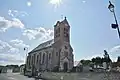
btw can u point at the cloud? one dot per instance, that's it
(6, 24)
(6, 59)
(29, 3)
(18, 43)
(6, 48)
(10, 52)
(16, 13)
(39, 33)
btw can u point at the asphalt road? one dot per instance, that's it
(14, 76)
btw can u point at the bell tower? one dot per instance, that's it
(62, 32)
(63, 52)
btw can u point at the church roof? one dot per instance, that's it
(44, 45)
(65, 21)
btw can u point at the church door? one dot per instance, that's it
(65, 66)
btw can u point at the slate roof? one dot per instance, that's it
(43, 45)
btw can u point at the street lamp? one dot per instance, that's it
(25, 49)
(114, 26)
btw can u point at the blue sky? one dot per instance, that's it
(21, 21)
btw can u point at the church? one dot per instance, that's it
(53, 54)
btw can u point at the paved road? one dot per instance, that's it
(82, 76)
(13, 76)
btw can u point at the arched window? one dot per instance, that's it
(49, 56)
(32, 60)
(37, 58)
(29, 60)
(58, 30)
(40, 58)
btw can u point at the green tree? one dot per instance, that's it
(93, 60)
(85, 62)
(98, 60)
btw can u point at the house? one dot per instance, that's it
(78, 67)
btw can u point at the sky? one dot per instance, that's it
(27, 23)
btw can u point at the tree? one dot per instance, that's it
(98, 60)
(85, 62)
(12, 66)
(93, 60)
(82, 61)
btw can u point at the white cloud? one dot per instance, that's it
(10, 13)
(13, 50)
(16, 13)
(6, 48)
(56, 3)
(6, 59)
(39, 33)
(18, 43)
(6, 24)
(29, 3)
(10, 52)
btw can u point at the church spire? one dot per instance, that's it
(65, 17)
(65, 21)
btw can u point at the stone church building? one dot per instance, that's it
(53, 54)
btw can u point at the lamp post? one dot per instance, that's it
(114, 26)
(25, 49)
